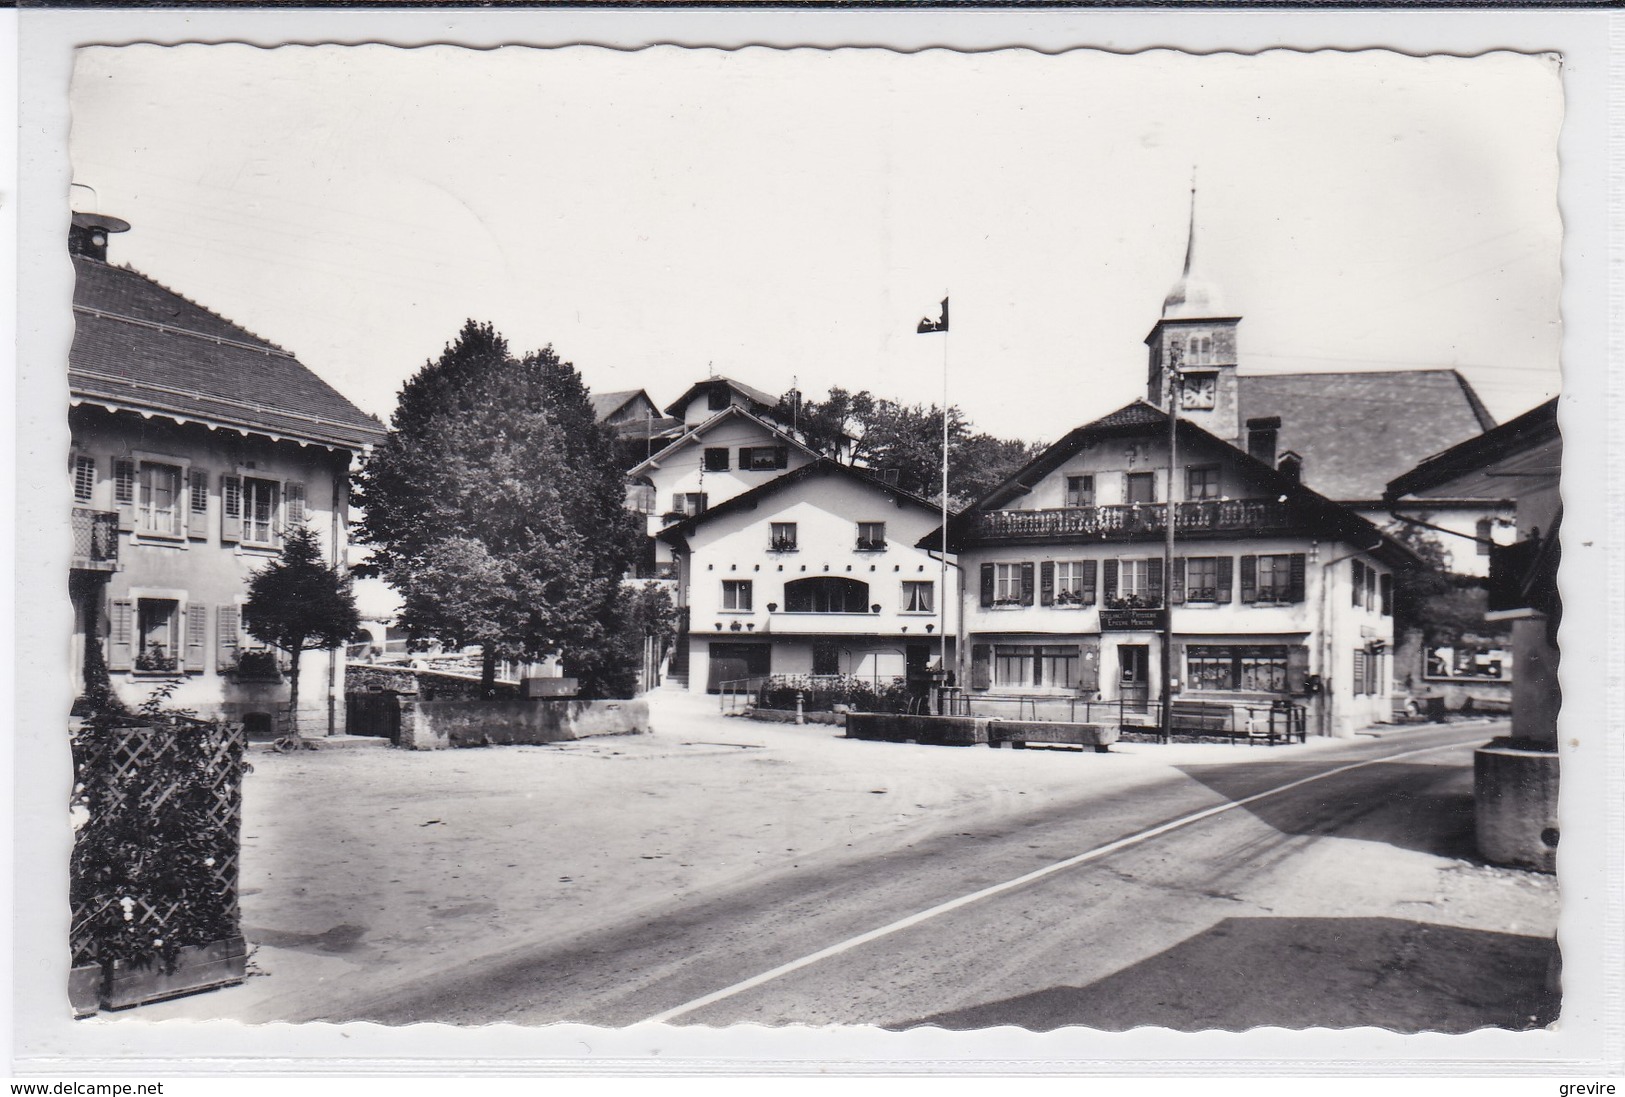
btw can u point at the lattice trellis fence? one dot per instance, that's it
(155, 865)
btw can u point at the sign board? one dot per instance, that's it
(551, 687)
(1130, 620)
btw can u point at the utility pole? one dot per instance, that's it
(1175, 378)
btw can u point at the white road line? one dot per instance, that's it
(1020, 881)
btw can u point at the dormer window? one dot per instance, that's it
(716, 459)
(1080, 491)
(717, 398)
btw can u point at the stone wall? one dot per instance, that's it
(436, 725)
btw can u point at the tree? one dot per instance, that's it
(1446, 607)
(886, 435)
(299, 603)
(495, 508)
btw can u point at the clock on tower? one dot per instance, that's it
(1197, 391)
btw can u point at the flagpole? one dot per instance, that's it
(942, 583)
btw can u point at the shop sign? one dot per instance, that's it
(1130, 620)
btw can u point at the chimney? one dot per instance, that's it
(88, 233)
(1261, 435)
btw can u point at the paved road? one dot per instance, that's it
(1302, 891)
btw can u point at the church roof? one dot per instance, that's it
(139, 346)
(1356, 431)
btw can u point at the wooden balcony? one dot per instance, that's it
(95, 540)
(1208, 517)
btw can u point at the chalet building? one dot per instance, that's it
(816, 571)
(195, 446)
(1516, 779)
(640, 429)
(1275, 593)
(1343, 434)
(723, 454)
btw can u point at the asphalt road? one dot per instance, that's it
(1301, 892)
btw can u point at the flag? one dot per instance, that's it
(928, 325)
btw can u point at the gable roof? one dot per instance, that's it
(699, 430)
(1534, 427)
(764, 401)
(677, 532)
(1356, 431)
(605, 404)
(1140, 417)
(139, 346)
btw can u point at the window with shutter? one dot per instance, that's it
(231, 507)
(1359, 673)
(1090, 567)
(1296, 568)
(1357, 583)
(124, 492)
(1046, 583)
(197, 509)
(227, 627)
(1249, 578)
(120, 634)
(987, 584)
(1224, 578)
(981, 666)
(197, 637)
(295, 502)
(1153, 580)
(1370, 587)
(1026, 584)
(84, 478)
(716, 458)
(1108, 582)
(1387, 595)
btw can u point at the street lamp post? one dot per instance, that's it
(1174, 387)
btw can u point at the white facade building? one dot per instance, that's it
(814, 572)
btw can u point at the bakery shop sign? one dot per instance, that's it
(1130, 620)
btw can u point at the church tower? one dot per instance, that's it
(1195, 337)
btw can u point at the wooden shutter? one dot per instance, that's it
(197, 505)
(981, 666)
(124, 491)
(227, 626)
(1294, 592)
(1225, 578)
(987, 584)
(1089, 667)
(1027, 584)
(677, 502)
(231, 507)
(120, 634)
(1046, 583)
(1357, 571)
(1153, 579)
(296, 502)
(1387, 585)
(1176, 582)
(1108, 581)
(1359, 672)
(1297, 668)
(1090, 568)
(1249, 578)
(1370, 587)
(197, 637)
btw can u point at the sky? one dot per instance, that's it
(787, 217)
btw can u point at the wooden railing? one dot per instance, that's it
(1130, 519)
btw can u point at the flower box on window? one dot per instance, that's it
(258, 666)
(1070, 598)
(867, 544)
(1133, 601)
(782, 544)
(156, 660)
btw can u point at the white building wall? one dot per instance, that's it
(826, 509)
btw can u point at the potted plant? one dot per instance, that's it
(258, 665)
(154, 659)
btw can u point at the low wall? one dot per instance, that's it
(785, 716)
(1022, 732)
(435, 725)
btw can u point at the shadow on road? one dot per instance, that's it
(1303, 973)
(1415, 806)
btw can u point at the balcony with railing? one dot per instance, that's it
(1132, 520)
(95, 540)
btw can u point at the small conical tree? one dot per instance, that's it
(299, 603)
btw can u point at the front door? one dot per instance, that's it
(1134, 676)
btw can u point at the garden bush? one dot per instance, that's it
(821, 693)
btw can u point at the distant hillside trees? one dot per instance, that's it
(907, 438)
(494, 507)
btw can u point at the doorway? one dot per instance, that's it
(1134, 676)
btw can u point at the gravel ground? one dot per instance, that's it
(367, 870)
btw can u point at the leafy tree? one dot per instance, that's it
(887, 435)
(299, 603)
(1444, 606)
(495, 508)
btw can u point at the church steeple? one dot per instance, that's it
(1195, 337)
